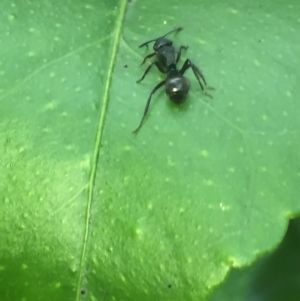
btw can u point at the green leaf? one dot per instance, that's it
(272, 278)
(90, 211)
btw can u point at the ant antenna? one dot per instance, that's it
(177, 29)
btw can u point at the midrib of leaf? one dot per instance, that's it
(122, 10)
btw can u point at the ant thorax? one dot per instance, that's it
(167, 56)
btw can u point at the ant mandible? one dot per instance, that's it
(176, 85)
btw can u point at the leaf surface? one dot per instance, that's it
(90, 210)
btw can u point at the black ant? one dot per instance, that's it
(176, 85)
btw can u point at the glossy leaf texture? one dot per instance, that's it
(274, 277)
(90, 211)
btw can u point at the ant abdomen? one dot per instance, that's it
(177, 89)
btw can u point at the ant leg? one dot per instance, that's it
(188, 64)
(148, 57)
(174, 30)
(147, 70)
(148, 103)
(179, 52)
(198, 74)
(159, 67)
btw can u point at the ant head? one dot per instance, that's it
(160, 42)
(177, 88)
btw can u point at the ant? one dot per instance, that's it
(176, 85)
